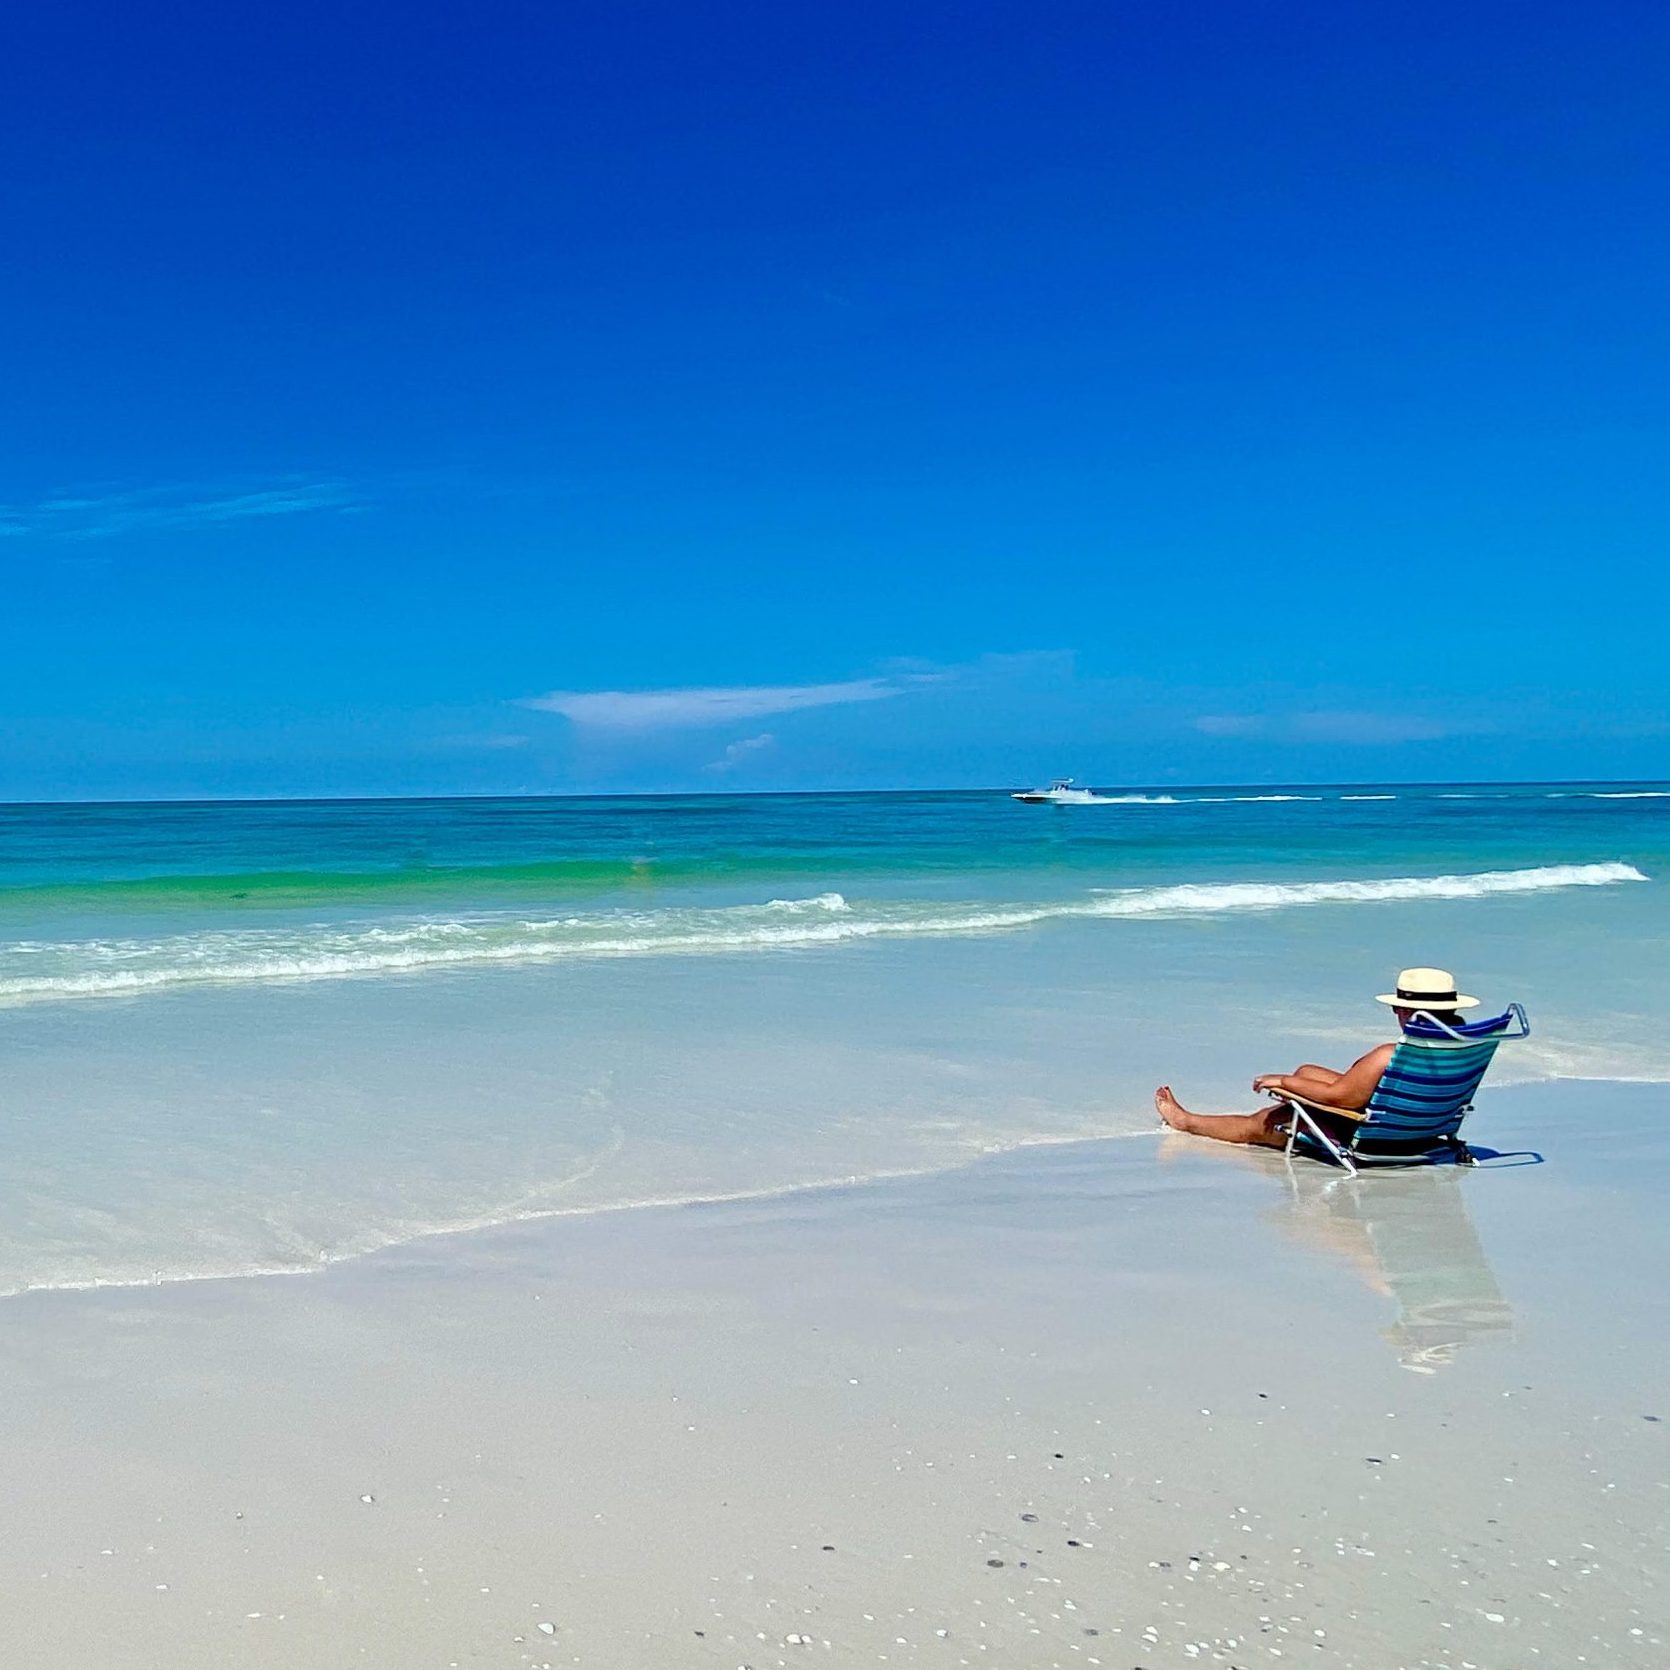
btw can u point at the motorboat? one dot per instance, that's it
(1060, 793)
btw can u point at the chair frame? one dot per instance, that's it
(1306, 1108)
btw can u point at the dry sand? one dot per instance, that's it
(1136, 1403)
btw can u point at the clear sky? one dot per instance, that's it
(430, 397)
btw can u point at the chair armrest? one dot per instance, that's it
(1356, 1114)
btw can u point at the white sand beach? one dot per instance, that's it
(568, 1098)
(1144, 1402)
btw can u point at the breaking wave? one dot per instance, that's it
(43, 970)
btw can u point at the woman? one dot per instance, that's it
(1423, 991)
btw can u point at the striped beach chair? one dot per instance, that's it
(1417, 1108)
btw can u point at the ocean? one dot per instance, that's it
(263, 1036)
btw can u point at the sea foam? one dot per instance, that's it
(41, 970)
(1131, 800)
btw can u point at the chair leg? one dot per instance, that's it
(1340, 1156)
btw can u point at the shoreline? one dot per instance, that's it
(328, 1263)
(487, 1226)
(688, 1435)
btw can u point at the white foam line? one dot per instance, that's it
(1251, 799)
(509, 1219)
(129, 968)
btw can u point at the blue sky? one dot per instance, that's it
(419, 398)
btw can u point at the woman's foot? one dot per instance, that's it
(1172, 1111)
(1263, 1128)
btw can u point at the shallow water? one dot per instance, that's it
(260, 1036)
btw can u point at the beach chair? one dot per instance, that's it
(1417, 1108)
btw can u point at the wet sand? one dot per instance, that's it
(1144, 1402)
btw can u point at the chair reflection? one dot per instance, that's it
(1410, 1237)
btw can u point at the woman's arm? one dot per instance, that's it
(1350, 1089)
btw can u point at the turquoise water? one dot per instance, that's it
(265, 1035)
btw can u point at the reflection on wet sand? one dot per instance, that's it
(1410, 1237)
(1407, 1234)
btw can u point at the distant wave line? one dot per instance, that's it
(106, 968)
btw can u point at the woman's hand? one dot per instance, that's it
(1270, 1084)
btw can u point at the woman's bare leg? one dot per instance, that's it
(1261, 1128)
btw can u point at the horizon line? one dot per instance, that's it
(755, 794)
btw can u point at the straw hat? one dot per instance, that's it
(1427, 988)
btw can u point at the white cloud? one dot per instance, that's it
(493, 742)
(740, 751)
(1229, 724)
(105, 515)
(690, 709)
(1347, 725)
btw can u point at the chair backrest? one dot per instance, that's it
(1430, 1082)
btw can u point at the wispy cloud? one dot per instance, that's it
(1229, 724)
(492, 742)
(109, 514)
(1347, 725)
(707, 706)
(738, 753)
